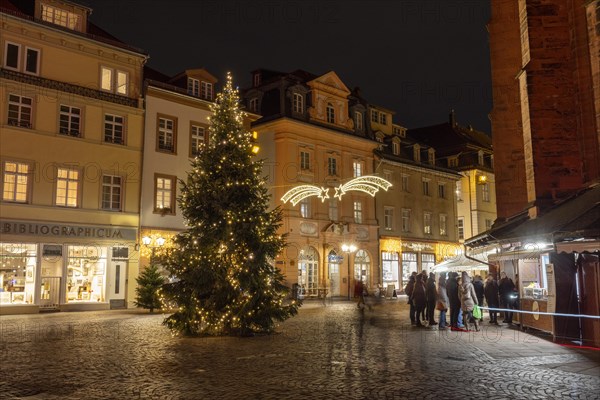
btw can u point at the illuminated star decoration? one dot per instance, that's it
(301, 192)
(368, 184)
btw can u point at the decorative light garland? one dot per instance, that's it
(369, 184)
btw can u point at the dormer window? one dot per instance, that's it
(431, 156)
(480, 157)
(256, 79)
(253, 105)
(453, 162)
(298, 103)
(60, 17)
(358, 120)
(492, 160)
(379, 137)
(330, 113)
(417, 153)
(207, 91)
(396, 147)
(193, 87)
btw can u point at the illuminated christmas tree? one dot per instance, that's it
(226, 281)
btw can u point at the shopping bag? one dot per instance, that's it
(477, 312)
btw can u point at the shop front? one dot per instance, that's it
(64, 267)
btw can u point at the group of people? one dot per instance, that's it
(458, 295)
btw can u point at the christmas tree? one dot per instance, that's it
(147, 292)
(226, 281)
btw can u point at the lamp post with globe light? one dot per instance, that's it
(348, 249)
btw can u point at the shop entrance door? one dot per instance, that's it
(116, 284)
(50, 293)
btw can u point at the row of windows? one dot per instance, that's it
(389, 223)
(201, 89)
(461, 227)
(17, 182)
(20, 113)
(483, 187)
(26, 59)
(166, 135)
(333, 210)
(358, 167)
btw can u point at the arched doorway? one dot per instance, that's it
(308, 271)
(362, 266)
(333, 267)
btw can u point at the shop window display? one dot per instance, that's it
(86, 271)
(533, 276)
(17, 273)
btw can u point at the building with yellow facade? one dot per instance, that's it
(71, 122)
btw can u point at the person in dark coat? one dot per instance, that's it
(424, 280)
(506, 288)
(453, 299)
(419, 298)
(491, 298)
(431, 295)
(408, 289)
(478, 285)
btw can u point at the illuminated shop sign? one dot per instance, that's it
(72, 231)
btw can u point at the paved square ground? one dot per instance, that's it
(326, 352)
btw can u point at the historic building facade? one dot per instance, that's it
(312, 131)
(70, 156)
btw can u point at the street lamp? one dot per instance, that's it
(348, 249)
(158, 242)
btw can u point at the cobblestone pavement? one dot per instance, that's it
(326, 352)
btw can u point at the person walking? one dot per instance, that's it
(419, 298)
(431, 295)
(408, 289)
(468, 300)
(491, 297)
(478, 285)
(424, 280)
(360, 292)
(506, 288)
(453, 299)
(442, 301)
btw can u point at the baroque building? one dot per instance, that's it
(71, 123)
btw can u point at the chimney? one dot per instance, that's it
(452, 118)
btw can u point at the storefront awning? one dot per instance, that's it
(458, 264)
(518, 255)
(584, 246)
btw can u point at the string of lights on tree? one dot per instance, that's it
(225, 278)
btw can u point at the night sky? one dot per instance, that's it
(420, 58)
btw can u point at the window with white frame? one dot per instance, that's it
(383, 118)
(114, 80)
(330, 113)
(461, 228)
(374, 116)
(165, 137)
(304, 160)
(387, 175)
(193, 86)
(113, 129)
(485, 192)
(453, 162)
(443, 225)
(358, 120)
(396, 147)
(405, 183)
(111, 192)
(405, 220)
(358, 217)
(19, 111)
(164, 194)
(427, 223)
(331, 166)
(197, 139)
(417, 153)
(253, 104)
(298, 103)
(60, 17)
(388, 218)
(70, 120)
(15, 182)
(357, 168)
(13, 58)
(333, 209)
(305, 208)
(67, 187)
(459, 191)
(207, 90)
(431, 156)
(442, 190)
(426, 191)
